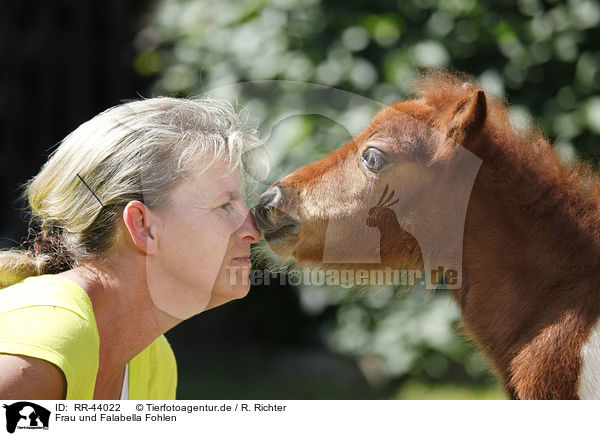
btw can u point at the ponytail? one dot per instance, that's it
(45, 255)
(16, 265)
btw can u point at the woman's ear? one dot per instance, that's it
(138, 220)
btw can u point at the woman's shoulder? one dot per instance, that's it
(51, 318)
(47, 290)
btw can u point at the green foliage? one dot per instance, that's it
(421, 391)
(542, 55)
(392, 335)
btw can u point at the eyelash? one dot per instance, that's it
(226, 206)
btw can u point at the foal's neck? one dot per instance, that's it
(531, 256)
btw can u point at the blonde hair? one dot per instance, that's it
(139, 150)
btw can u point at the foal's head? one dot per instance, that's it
(411, 161)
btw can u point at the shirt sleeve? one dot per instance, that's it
(57, 335)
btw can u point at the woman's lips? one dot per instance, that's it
(242, 259)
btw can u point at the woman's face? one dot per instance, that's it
(203, 238)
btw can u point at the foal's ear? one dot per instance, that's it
(468, 118)
(464, 122)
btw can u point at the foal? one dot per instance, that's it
(488, 202)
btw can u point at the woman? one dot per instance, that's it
(141, 224)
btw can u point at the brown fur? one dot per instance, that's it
(531, 246)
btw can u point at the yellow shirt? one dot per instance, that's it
(51, 318)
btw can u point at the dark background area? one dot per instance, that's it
(62, 63)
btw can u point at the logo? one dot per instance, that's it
(26, 415)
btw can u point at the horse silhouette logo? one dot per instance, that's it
(26, 415)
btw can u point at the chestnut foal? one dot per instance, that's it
(524, 227)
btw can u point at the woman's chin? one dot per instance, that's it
(238, 291)
(233, 292)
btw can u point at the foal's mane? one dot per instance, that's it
(563, 198)
(443, 90)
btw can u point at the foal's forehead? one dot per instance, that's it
(410, 113)
(400, 129)
(416, 108)
(398, 121)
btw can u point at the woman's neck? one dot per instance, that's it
(126, 317)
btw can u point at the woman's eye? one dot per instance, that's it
(226, 206)
(373, 159)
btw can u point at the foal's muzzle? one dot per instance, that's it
(273, 213)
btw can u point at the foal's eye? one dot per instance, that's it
(373, 159)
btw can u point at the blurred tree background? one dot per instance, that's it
(269, 56)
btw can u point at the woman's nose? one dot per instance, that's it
(250, 232)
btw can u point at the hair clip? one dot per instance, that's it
(86, 185)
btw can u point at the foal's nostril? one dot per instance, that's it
(273, 214)
(270, 197)
(266, 202)
(262, 220)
